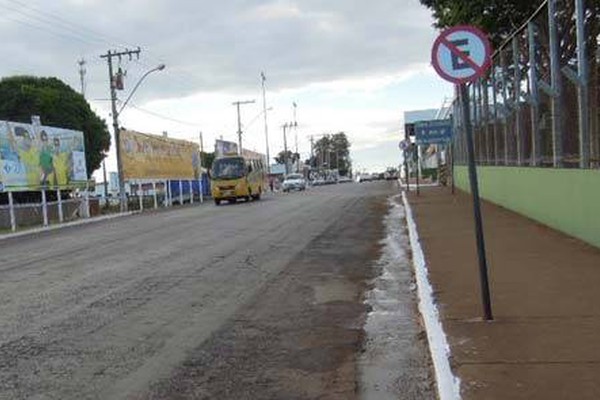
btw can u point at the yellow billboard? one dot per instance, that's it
(145, 156)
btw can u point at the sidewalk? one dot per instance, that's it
(544, 342)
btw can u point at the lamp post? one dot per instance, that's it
(115, 117)
(265, 109)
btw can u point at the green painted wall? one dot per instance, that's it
(565, 199)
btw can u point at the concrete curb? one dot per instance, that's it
(66, 225)
(448, 384)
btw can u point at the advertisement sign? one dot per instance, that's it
(434, 131)
(223, 147)
(145, 156)
(36, 156)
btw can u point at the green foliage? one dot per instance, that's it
(292, 157)
(499, 18)
(333, 152)
(207, 159)
(58, 105)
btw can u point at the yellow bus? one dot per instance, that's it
(236, 177)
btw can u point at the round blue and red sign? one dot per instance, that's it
(461, 54)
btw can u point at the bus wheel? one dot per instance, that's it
(217, 202)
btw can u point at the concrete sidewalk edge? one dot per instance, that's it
(448, 384)
(66, 225)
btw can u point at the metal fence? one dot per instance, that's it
(539, 105)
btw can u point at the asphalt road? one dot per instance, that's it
(246, 301)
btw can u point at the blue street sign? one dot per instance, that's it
(433, 131)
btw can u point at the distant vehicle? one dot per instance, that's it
(294, 182)
(235, 177)
(344, 179)
(364, 178)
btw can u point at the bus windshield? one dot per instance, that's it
(228, 168)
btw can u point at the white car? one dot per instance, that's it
(294, 182)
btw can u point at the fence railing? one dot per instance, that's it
(539, 105)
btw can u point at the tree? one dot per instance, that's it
(499, 18)
(207, 159)
(58, 105)
(333, 152)
(291, 157)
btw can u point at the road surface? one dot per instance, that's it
(259, 300)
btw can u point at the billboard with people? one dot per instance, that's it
(34, 157)
(147, 156)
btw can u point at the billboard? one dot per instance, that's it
(33, 157)
(145, 156)
(223, 147)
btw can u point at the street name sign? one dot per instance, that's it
(461, 54)
(433, 132)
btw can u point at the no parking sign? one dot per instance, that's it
(461, 54)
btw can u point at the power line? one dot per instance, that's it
(56, 21)
(161, 116)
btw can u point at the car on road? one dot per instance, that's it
(294, 182)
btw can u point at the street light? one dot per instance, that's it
(115, 115)
(160, 67)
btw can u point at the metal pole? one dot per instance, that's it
(44, 207)
(483, 269)
(534, 98)
(296, 137)
(155, 196)
(11, 211)
(486, 120)
(582, 87)
(113, 101)
(200, 190)
(60, 206)
(239, 132)
(262, 75)
(495, 116)
(517, 100)
(417, 147)
(556, 77)
(169, 194)
(180, 193)
(285, 150)
(140, 196)
(505, 110)
(239, 120)
(452, 163)
(191, 192)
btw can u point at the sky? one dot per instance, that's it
(349, 65)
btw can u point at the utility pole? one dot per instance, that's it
(312, 146)
(239, 119)
(113, 99)
(296, 134)
(285, 155)
(82, 72)
(201, 151)
(263, 79)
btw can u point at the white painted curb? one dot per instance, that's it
(66, 225)
(448, 385)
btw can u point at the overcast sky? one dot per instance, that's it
(350, 65)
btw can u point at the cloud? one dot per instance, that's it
(216, 46)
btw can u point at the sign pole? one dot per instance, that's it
(451, 147)
(11, 210)
(418, 168)
(483, 270)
